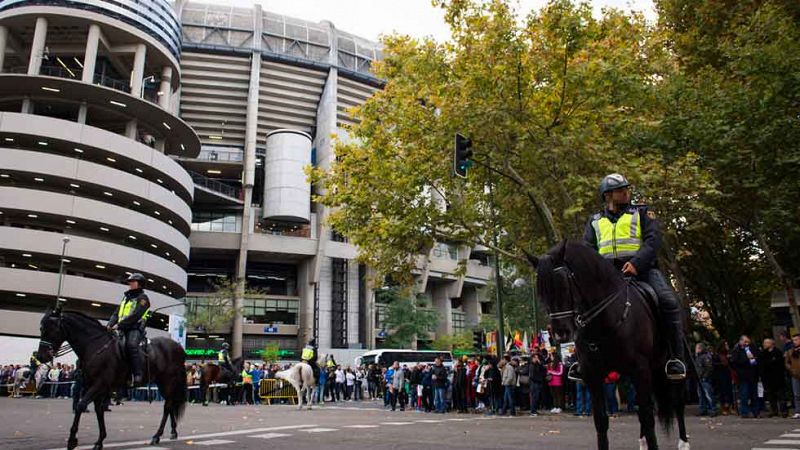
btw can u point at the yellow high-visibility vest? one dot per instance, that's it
(126, 308)
(221, 356)
(308, 354)
(619, 239)
(246, 377)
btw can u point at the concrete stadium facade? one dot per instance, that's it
(169, 139)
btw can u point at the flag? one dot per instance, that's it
(518, 342)
(525, 343)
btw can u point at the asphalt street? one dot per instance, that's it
(43, 424)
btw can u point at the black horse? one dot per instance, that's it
(216, 374)
(614, 326)
(105, 368)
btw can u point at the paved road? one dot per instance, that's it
(43, 424)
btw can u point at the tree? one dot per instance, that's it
(271, 353)
(215, 313)
(550, 105)
(455, 342)
(407, 317)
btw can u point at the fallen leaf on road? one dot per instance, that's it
(18, 433)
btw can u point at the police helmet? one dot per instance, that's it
(137, 277)
(225, 346)
(611, 182)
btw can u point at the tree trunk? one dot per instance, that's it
(784, 278)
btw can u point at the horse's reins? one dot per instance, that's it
(582, 319)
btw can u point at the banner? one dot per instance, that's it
(177, 329)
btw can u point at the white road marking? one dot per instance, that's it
(774, 448)
(150, 448)
(457, 420)
(790, 435)
(396, 423)
(213, 442)
(429, 421)
(360, 426)
(783, 442)
(269, 435)
(319, 430)
(196, 436)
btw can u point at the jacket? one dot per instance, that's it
(398, 379)
(745, 370)
(460, 377)
(791, 360)
(556, 375)
(440, 372)
(509, 375)
(705, 366)
(771, 367)
(646, 258)
(132, 321)
(536, 372)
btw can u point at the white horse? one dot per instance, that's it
(301, 376)
(23, 376)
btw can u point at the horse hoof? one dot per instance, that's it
(155, 440)
(173, 436)
(71, 444)
(683, 445)
(642, 444)
(97, 447)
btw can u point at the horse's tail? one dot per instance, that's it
(180, 389)
(670, 398)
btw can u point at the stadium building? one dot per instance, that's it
(170, 139)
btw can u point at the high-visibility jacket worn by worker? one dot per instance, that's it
(620, 239)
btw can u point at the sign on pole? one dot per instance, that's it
(177, 329)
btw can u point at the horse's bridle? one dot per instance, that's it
(583, 318)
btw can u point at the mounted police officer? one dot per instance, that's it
(130, 319)
(224, 358)
(629, 236)
(309, 355)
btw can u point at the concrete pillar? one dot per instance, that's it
(138, 70)
(82, 111)
(90, 55)
(249, 165)
(471, 305)
(27, 106)
(165, 89)
(3, 39)
(37, 47)
(444, 307)
(131, 128)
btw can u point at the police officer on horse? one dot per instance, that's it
(130, 320)
(224, 358)
(309, 355)
(629, 237)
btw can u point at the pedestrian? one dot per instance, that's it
(339, 388)
(439, 382)
(509, 381)
(792, 364)
(555, 375)
(256, 373)
(350, 383)
(610, 389)
(773, 376)
(744, 359)
(536, 378)
(705, 372)
(460, 387)
(583, 399)
(358, 389)
(396, 384)
(723, 375)
(247, 384)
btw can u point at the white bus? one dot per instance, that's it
(387, 357)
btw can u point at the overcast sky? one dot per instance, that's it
(371, 18)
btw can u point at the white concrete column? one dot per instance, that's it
(3, 39)
(131, 128)
(444, 307)
(138, 70)
(37, 48)
(82, 111)
(90, 54)
(165, 89)
(27, 106)
(471, 305)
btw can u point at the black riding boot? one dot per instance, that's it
(672, 324)
(132, 347)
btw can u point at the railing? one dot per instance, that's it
(113, 83)
(215, 185)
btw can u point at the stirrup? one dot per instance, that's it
(675, 376)
(573, 373)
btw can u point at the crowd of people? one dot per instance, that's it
(746, 379)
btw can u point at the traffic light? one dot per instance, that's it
(477, 340)
(462, 156)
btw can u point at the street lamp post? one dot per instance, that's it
(64, 241)
(520, 282)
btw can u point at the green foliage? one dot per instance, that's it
(407, 317)
(460, 341)
(271, 353)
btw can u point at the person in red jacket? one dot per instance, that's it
(611, 393)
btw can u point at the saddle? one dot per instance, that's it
(144, 346)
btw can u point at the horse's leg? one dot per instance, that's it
(91, 392)
(173, 422)
(647, 421)
(100, 412)
(167, 409)
(678, 390)
(599, 412)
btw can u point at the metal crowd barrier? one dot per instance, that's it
(273, 389)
